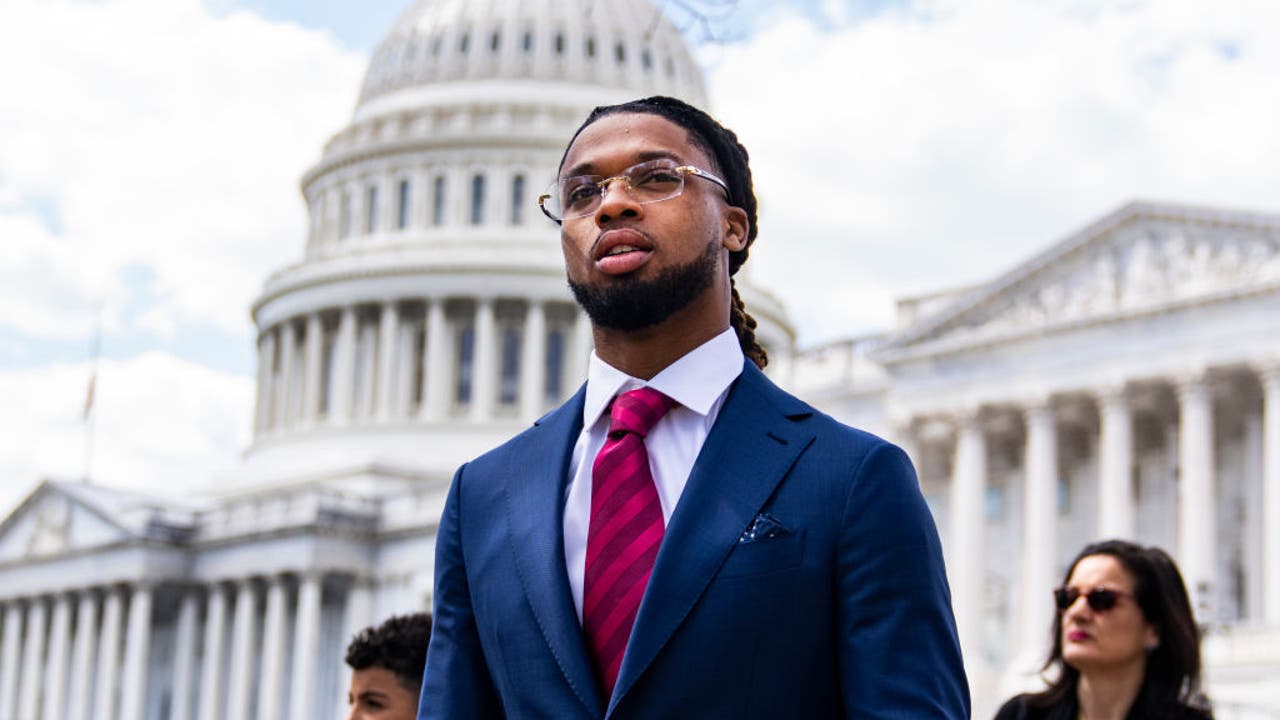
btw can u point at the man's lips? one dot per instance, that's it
(1077, 636)
(617, 252)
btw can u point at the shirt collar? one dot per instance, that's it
(695, 381)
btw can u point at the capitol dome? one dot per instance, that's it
(429, 318)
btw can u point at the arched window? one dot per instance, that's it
(465, 43)
(402, 205)
(527, 43)
(437, 201)
(620, 51)
(517, 200)
(371, 210)
(495, 41)
(477, 199)
(591, 47)
(559, 43)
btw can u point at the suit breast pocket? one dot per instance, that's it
(762, 557)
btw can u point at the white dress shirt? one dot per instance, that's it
(699, 382)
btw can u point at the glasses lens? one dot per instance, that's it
(654, 181)
(1101, 599)
(1065, 596)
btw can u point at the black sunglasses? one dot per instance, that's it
(1099, 599)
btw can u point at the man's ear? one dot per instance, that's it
(736, 227)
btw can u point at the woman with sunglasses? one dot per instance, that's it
(1125, 644)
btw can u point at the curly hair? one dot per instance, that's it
(732, 163)
(399, 644)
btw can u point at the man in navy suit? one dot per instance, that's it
(683, 539)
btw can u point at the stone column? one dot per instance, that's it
(9, 658)
(313, 367)
(82, 653)
(306, 639)
(56, 678)
(580, 349)
(1039, 533)
(285, 400)
(242, 637)
(341, 393)
(388, 334)
(271, 687)
(1116, 503)
(965, 556)
(264, 416)
(104, 699)
(533, 363)
(1197, 538)
(184, 656)
(33, 660)
(358, 615)
(484, 361)
(137, 650)
(1271, 494)
(436, 376)
(215, 626)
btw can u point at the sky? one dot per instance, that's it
(150, 153)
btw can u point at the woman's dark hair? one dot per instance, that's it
(1171, 681)
(731, 161)
(399, 645)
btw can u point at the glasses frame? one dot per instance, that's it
(603, 185)
(1099, 599)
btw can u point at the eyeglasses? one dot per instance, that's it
(1099, 599)
(647, 182)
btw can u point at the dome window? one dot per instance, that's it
(621, 52)
(466, 358)
(553, 385)
(495, 41)
(517, 200)
(436, 42)
(371, 210)
(465, 43)
(559, 43)
(437, 201)
(344, 216)
(477, 200)
(402, 205)
(646, 59)
(510, 385)
(591, 47)
(527, 42)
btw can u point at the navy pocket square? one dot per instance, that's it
(763, 527)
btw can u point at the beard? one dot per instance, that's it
(630, 304)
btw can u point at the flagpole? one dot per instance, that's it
(95, 350)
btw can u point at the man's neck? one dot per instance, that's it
(645, 353)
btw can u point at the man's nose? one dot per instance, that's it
(616, 201)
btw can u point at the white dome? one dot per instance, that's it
(625, 45)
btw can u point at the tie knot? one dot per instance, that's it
(637, 411)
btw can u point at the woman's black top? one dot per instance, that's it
(1020, 708)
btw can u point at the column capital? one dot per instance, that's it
(1267, 369)
(1112, 390)
(1191, 380)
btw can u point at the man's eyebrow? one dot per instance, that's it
(378, 694)
(588, 168)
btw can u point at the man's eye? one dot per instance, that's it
(655, 176)
(575, 194)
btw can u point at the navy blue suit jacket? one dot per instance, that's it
(842, 611)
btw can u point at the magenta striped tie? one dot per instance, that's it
(625, 532)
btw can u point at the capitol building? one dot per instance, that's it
(1125, 382)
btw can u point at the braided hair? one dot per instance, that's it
(731, 161)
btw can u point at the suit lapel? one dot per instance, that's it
(752, 445)
(535, 511)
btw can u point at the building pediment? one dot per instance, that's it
(1140, 259)
(56, 521)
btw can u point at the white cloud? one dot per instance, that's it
(941, 143)
(160, 422)
(168, 139)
